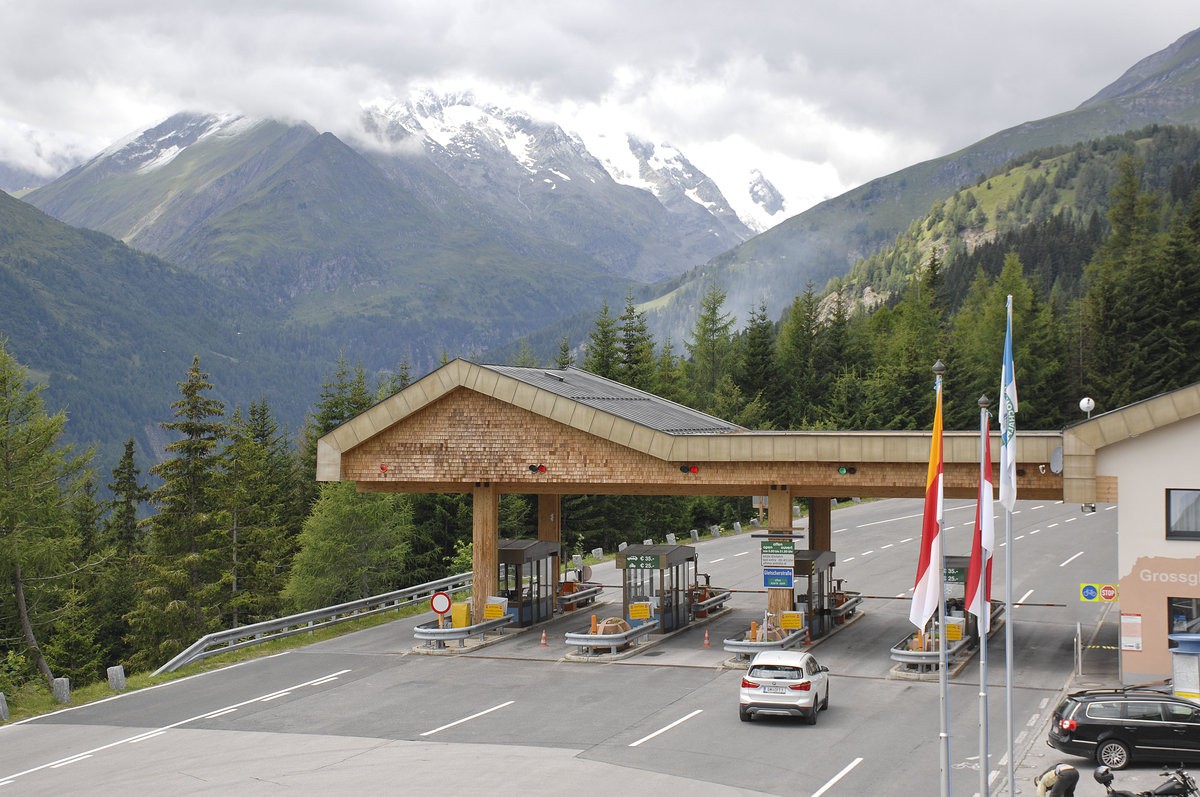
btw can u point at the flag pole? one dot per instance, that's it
(1008, 497)
(981, 622)
(943, 680)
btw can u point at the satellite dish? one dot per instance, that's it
(585, 573)
(1056, 460)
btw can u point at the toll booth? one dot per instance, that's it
(960, 624)
(663, 576)
(527, 578)
(813, 588)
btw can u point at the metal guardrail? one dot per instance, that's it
(930, 659)
(847, 606)
(587, 643)
(717, 601)
(583, 596)
(247, 635)
(744, 647)
(440, 636)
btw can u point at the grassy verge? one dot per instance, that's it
(34, 698)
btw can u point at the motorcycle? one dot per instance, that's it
(1178, 783)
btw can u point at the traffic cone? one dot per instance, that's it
(707, 644)
(543, 638)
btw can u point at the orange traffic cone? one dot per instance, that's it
(543, 638)
(707, 644)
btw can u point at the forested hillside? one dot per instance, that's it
(234, 527)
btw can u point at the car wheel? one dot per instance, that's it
(743, 714)
(825, 703)
(1112, 754)
(812, 715)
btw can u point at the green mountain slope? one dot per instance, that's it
(825, 241)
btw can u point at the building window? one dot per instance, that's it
(1183, 617)
(1183, 514)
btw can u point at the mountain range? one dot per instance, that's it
(444, 226)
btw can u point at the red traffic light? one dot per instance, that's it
(689, 469)
(537, 468)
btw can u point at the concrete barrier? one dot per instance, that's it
(597, 553)
(695, 535)
(622, 546)
(647, 542)
(62, 690)
(578, 560)
(116, 678)
(737, 527)
(3, 708)
(714, 530)
(670, 539)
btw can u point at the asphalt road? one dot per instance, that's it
(363, 713)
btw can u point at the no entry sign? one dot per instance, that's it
(440, 602)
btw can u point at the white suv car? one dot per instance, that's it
(784, 682)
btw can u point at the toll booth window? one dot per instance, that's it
(1183, 617)
(1183, 514)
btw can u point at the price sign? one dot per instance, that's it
(440, 602)
(641, 561)
(778, 553)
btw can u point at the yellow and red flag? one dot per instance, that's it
(927, 592)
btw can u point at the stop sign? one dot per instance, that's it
(1108, 592)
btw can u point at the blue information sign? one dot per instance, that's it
(779, 577)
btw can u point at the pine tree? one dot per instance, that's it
(603, 357)
(564, 359)
(343, 395)
(710, 348)
(796, 392)
(636, 345)
(184, 592)
(38, 478)
(756, 367)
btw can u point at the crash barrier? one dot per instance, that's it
(927, 660)
(846, 607)
(247, 635)
(717, 601)
(3, 708)
(588, 591)
(438, 637)
(743, 647)
(588, 643)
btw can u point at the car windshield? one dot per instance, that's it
(780, 671)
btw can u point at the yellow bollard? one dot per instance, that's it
(753, 630)
(593, 625)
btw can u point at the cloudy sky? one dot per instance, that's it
(821, 95)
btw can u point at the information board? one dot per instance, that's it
(777, 577)
(639, 611)
(642, 561)
(778, 553)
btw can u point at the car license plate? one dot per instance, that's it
(775, 690)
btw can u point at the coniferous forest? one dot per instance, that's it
(124, 563)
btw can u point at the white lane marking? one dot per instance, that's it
(679, 721)
(325, 680)
(865, 553)
(468, 719)
(714, 561)
(884, 548)
(1033, 718)
(220, 713)
(152, 733)
(848, 559)
(70, 761)
(1052, 525)
(1025, 597)
(1044, 702)
(830, 783)
(1071, 520)
(993, 775)
(1020, 537)
(143, 690)
(275, 696)
(1035, 531)
(1072, 559)
(1039, 506)
(838, 531)
(1016, 511)
(743, 553)
(1114, 506)
(907, 539)
(902, 594)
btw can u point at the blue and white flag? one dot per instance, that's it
(1008, 422)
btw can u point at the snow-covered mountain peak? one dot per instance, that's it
(154, 148)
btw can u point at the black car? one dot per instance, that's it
(1116, 726)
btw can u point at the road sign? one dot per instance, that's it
(440, 602)
(778, 553)
(642, 561)
(1098, 592)
(777, 577)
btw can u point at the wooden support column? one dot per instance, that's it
(820, 535)
(779, 521)
(485, 551)
(550, 524)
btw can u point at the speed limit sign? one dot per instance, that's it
(440, 602)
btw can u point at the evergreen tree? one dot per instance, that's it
(440, 521)
(756, 366)
(796, 393)
(710, 349)
(184, 592)
(343, 396)
(395, 380)
(352, 546)
(72, 650)
(603, 357)
(128, 495)
(669, 381)
(636, 347)
(564, 359)
(525, 356)
(38, 479)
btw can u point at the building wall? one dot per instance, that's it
(1152, 568)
